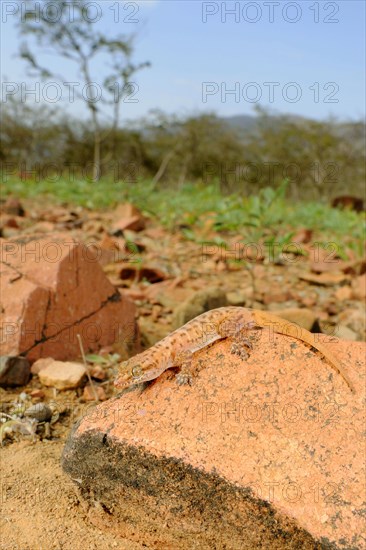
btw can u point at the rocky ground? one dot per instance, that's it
(168, 279)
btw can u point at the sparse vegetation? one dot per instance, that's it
(268, 212)
(317, 158)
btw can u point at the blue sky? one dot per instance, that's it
(309, 54)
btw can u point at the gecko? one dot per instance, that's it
(176, 349)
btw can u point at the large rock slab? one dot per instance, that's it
(266, 453)
(53, 288)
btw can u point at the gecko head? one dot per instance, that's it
(131, 373)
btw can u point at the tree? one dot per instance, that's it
(68, 31)
(317, 157)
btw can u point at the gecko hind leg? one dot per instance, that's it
(238, 333)
(240, 346)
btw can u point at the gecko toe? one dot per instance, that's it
(238, 349)
(246, 342)
(183, 378)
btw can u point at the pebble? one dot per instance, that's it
(14, 371)
(63, 375)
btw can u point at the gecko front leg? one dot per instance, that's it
(184, 361)
(235, 328)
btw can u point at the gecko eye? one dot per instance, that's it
(137, 371)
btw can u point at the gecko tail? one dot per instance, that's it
(287, 328)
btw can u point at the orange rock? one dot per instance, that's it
(155, 233)
(309, 300)
(254, 454)
(128, 217)
(126, 210)
(277, 296)
(354, 318)
(300, 316)
(89, 395)
(112, 249)
(135, 223)
(39, 394)
(135, 293)
(42, 227)
(13, 207)
(112, 243)
(323, 266)
(324, 279)
(163, 293)
(97, 372)
(302, 236)
(60, 214)
(343, 293)
(53, 288)
(151, 274)
(9, 221)
(359, 287)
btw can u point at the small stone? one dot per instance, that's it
(135, 293)
(88, 394)
(37, 394)
(128, 217)
(14, 371)
(359, 287)
(151, 274)
(237, 297)
(324, 279)
(345, 333)
(343, 293)
(199, 302)
(303, 235)
(9, 232)
(41, 227)
(300, 316)
(63, 375)
(278, 296)
(11, 222)
(310, 300)
(354, 318)
(41, 364)
(97, 372)
(14, 207)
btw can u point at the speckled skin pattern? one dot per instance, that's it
(176, 349)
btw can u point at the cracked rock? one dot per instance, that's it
(52, 289)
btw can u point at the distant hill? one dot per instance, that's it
(247, 123)
(244, 124)
(241, 122)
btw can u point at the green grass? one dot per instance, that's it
(268, 211)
